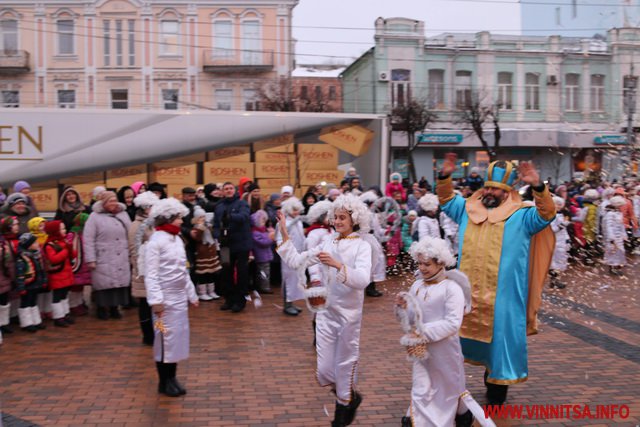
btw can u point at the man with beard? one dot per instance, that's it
(506, 251)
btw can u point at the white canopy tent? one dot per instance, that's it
(41, 144)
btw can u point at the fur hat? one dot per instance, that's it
(591, 194)
(16, 198)
(317, 210)
(429, 202)
(26, 240)
(360, 214)
(168, 208)
(559, 202)
(395, 176)
(617, 201)
(292, 204)
(20, 185)
(433, 248)
(145, 200)
(286, 189)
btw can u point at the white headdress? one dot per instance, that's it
(291, 204)
(429, 202)
(317, 210)
(168, 208)
(592, 194)
(433, 248)
(617, 201)
(559, 202)
(360, 214)
(369, 197)
(146, 199)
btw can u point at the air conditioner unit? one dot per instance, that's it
(552, 80)
(383, 76)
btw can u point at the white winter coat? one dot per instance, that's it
(614, 235)
(560, 258)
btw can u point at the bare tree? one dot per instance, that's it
(478, 114)
(411, 117)
(277, 96)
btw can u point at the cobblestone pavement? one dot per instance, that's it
(257, 368)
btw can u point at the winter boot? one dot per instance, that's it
(356, 400)
(58, 315)
(340, 416)
(464, 420)
(4, 319)
(211, 291)
(67, 312)
(35, 317)
(406, 422)
(26, 322)
(172, 369)
(165, 385)
(202, 293)
(497, 394)
(102, 313)
(289, 309)
(371, 290)
(114, 313)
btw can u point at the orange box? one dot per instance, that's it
(240, 153)
(313, 177)
(173, 172)
(274, 170)
(274, 182)
(278, 158)
(353, 139)
(227, 171)
(84, 179)
(85, 191)
(175, 190)
(45, 200)
(120, 177)
(191, 158)
(317, 156)
(278, 144)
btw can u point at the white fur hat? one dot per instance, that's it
(369, 197)
(429, 202)
(167, 208)
(286, 189)
(146, 199)
(591, 194)
(360, 214)
(412, 213)
(433, 248)
(317, 210)
(608, 192)
(559, 202)
(198, 211)
(291, 204)
(617, 201)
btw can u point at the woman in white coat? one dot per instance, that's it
(343, 264)
(169, 290)
(292, 291)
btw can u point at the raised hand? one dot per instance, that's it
(282, 225)
(449, 166)
(528, 174)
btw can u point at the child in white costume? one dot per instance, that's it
(343, 264)
(292, 291)
(428, 225)
(560, 258)
(439, 300)
(169, 291)
(614, 235)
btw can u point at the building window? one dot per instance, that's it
(463, 89)
(505, 90)
(436, 89)
(9, 35)
(332, 93)
(532, 92)
(132, 42)
(251, 43)
(571, 92)
(10, 98)
(119, 42)
(597, 92)
(318, 94)
(249, 100)
(169, 38)
(66, 99)
(400, 89)
(224, 98)
(106, 25)
(119, 99)
(65, 37)
(629, 85)
(170, 99)
(222, 39)
(304, 92)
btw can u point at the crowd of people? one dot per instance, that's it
(228, 241)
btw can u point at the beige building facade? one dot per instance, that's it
(154, 54)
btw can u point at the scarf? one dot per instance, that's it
(169, 228)
(315, 227)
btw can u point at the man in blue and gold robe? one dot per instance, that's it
(505, 249)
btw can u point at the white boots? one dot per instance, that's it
(211, 290)
(26, 319)
(202, 293)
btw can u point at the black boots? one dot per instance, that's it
(406, 422)
(371, 290)
(554, 282)
(496, 393)
(168, 383)
(345, 414)
(464, 420)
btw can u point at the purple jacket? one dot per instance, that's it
(262, 245)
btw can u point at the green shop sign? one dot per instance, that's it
(440, 138)
(610, 139)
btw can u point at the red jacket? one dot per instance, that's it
(63, 278)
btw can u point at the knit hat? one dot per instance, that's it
(274, 197)
(188, 190)
(334, 192)
(502, 175)
(136, 187)
(107, 195)
(476, 170)
(412, 213)
(97, 191)
(257, 216)
(17, 198)
(145, 200)
(432, 248)
(286, 189)
(26, 240)
(198, 212)
(617, 201)
(52, 228)
(395, 176)
(20, 185)
(168, 208)
(253, 186)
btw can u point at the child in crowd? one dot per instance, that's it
(207, 262)
(81, 271)
(428, 225)
(615, 235)
(45, 297)
(31, 278)
(292, 291)
(263, 239)
(435, 305)
(58, 254)
(560, 258)
(9, 227)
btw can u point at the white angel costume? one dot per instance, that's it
(560, 258)
(338, 326)
(614, 235)
(450, 228)
(427, 227)
(290, 276)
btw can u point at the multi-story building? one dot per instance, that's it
(561, 98)
(133, 54)
(317, 87)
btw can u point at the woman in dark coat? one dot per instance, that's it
(69, 206)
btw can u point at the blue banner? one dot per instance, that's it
(440, 138)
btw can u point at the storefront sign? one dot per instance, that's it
(440, 138)
(610, 140)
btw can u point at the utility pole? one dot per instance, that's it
(630, 86)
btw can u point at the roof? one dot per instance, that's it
(317, 71)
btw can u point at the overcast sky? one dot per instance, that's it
(353, 22)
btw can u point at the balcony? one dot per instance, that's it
(14, 62)
(236, 60)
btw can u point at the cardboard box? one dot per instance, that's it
(227, 171)
(274, 182)
(240, 153)
(191, 158)
(313, 177)
(175, 190)
(173, 173)
(353, 139)
(317, 156)
(84, 179)
(120, 177)
(45, 200)
(276, 158)
(278, 144)
(271, 170)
